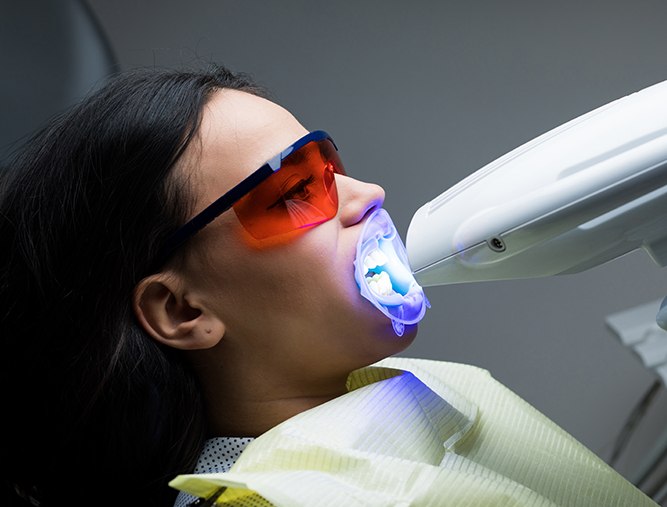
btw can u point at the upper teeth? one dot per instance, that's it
(374, 259)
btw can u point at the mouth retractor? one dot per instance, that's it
(383, 273)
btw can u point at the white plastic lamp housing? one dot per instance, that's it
(580, 195)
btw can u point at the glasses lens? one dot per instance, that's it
(302, 193)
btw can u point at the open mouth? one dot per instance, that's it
(376, 277)
(383, 273)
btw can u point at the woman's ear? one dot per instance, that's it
(173, 317)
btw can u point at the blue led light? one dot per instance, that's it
(406, 304)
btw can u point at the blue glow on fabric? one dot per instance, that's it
(383, 274)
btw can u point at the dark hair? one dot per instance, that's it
(97, 412)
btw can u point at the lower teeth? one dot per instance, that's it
(380, 283)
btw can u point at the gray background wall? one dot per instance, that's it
(420, 93)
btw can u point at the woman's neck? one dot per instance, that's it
(252, 417)
(246, 400)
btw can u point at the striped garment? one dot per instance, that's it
(419, 433)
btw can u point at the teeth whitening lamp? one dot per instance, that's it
(578, 196)
(575, 197)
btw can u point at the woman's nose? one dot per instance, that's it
(356, 199)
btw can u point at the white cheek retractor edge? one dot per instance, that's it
(383, 274)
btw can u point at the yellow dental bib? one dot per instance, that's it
(414, 432)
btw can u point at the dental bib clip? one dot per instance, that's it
(382, 272)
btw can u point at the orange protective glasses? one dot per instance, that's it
(294, 190)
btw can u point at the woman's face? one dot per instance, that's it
(288, 303)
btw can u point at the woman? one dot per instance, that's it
(85, 210)
(159, 291)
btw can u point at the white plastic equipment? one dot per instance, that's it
(580, 195)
